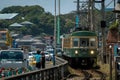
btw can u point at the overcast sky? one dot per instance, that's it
(66, 5)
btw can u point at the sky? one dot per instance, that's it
(66, 5)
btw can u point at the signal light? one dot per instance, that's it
(103, 24)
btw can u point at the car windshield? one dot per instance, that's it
(46, 53)
(34, 53)
(50, 51)
(11, 55)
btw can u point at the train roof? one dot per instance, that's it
(81, 33)
(84, 33)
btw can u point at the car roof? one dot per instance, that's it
(11, 50)
(46, 52)
(14, 48)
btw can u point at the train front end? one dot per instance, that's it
(80, 49)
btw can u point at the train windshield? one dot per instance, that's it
(84, 42)
(87, 42)
(17, 55)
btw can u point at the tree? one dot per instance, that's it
(113, 33)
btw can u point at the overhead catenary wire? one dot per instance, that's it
(109, 3)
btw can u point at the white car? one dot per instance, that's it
(59, 52)
(48, 56)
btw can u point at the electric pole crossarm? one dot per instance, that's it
(99, 1)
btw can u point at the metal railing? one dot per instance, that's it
(53, 73)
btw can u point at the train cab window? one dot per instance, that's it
(84, 42)
(75, 42)
(92, 42)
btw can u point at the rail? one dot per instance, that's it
(56, 72)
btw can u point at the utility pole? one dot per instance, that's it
(103, 25)
(110, 62)
(58, 25)
(54, 47)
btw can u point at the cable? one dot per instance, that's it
(109, 3)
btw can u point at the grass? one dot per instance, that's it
(105, 68)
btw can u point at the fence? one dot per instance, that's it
(56, 72)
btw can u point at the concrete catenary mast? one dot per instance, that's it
(58, 24)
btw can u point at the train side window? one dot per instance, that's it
(75, 42)
(118, 66)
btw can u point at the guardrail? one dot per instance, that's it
(56, 72)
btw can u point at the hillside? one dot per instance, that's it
(44, 21)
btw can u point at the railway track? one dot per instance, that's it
(91, 74)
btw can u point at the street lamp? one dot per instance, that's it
(110, 62)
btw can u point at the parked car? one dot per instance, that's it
(12, 62)
(12, 59)
(15, 49)
(59, 52)
(48, 56)
(51, 51)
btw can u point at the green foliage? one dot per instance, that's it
(43, 21)
(114, 25)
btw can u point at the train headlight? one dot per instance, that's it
(92, 52)
(76, 51)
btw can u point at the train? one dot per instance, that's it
(80, 48)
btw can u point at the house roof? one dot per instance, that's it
(16, 25)
(26, 22)
(8, 15)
